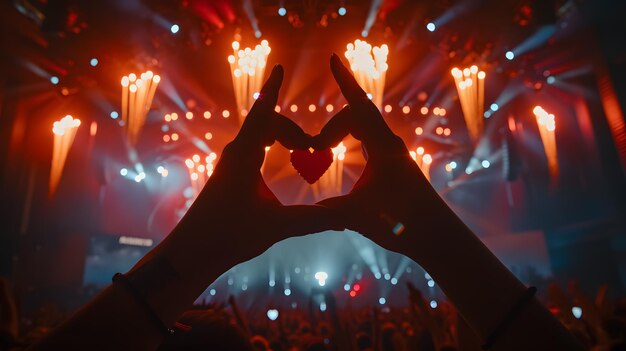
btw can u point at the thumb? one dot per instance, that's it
(308, 219)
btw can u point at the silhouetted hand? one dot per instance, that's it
(392, 189)
(243, 214)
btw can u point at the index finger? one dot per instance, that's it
(254, 128)
(366, 123)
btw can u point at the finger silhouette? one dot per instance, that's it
(255, 127)
(365, 121)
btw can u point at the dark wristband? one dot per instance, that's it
(509, 318)
(121, 279)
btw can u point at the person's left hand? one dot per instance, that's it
(236, 216)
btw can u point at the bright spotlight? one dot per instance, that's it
(114, 114)
(323, 306)
(54, 80)
(174, 28)
(212, 292)
(577, 312)
(282, 11)
(433, 304)
(382, 301)
(272, 314)
(550, 80)
(487, 114)
(431, 27)
(364, 33)
(509, 55)
(387, 276)
(485, 164)
(431, 283)
(123, 172)
(93, 62)
(272, 282)
(321, 278)
(394, 281)
(342, 11)
(287, 292)
(346, 287)
(257, 34)
(494, 107)
(377, 275)
(453, 165)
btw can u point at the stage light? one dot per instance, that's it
(547, 125)
(342, 11)
(247, 68)
(166, 138)
(433, 304)
(577, 312)
(431, 283)
(277, 109)
(453, 165)
(54, 80)
(487, 114)
(352, 293)
(160, 169)
(550, 80)
(93, 62)
(207, 114)
(329, 108)
(272, 283)
(388, 108)
(431, 27)
(272, 314)
(139, 177)
(323, 306)
(282, 11)
(230, 281)
(114, 114)
(387, 276)
(470, 86)
(123, 172)
(364, 34)
(174, 136)
(297, 270)
(208, 135)
(439, 130)
(64, 131)
(244, 287)
(287, 292)
(174, 28)
(382, 301)
(485, 164)
(312, 108)
(420, 150)
(165, 173)
(369, 65)
(321, 278)
(212, 292)
(377, 275)
(494, 107)
(447, 131)
(346, 287)
(394, 281)
(406, 110)
(225, 113)
(137, 96)
(509, 55)
(293, 108)
(424, 110)
(174, 116)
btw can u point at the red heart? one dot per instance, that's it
(311, 165)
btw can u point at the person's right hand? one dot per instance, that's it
(392, 197)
